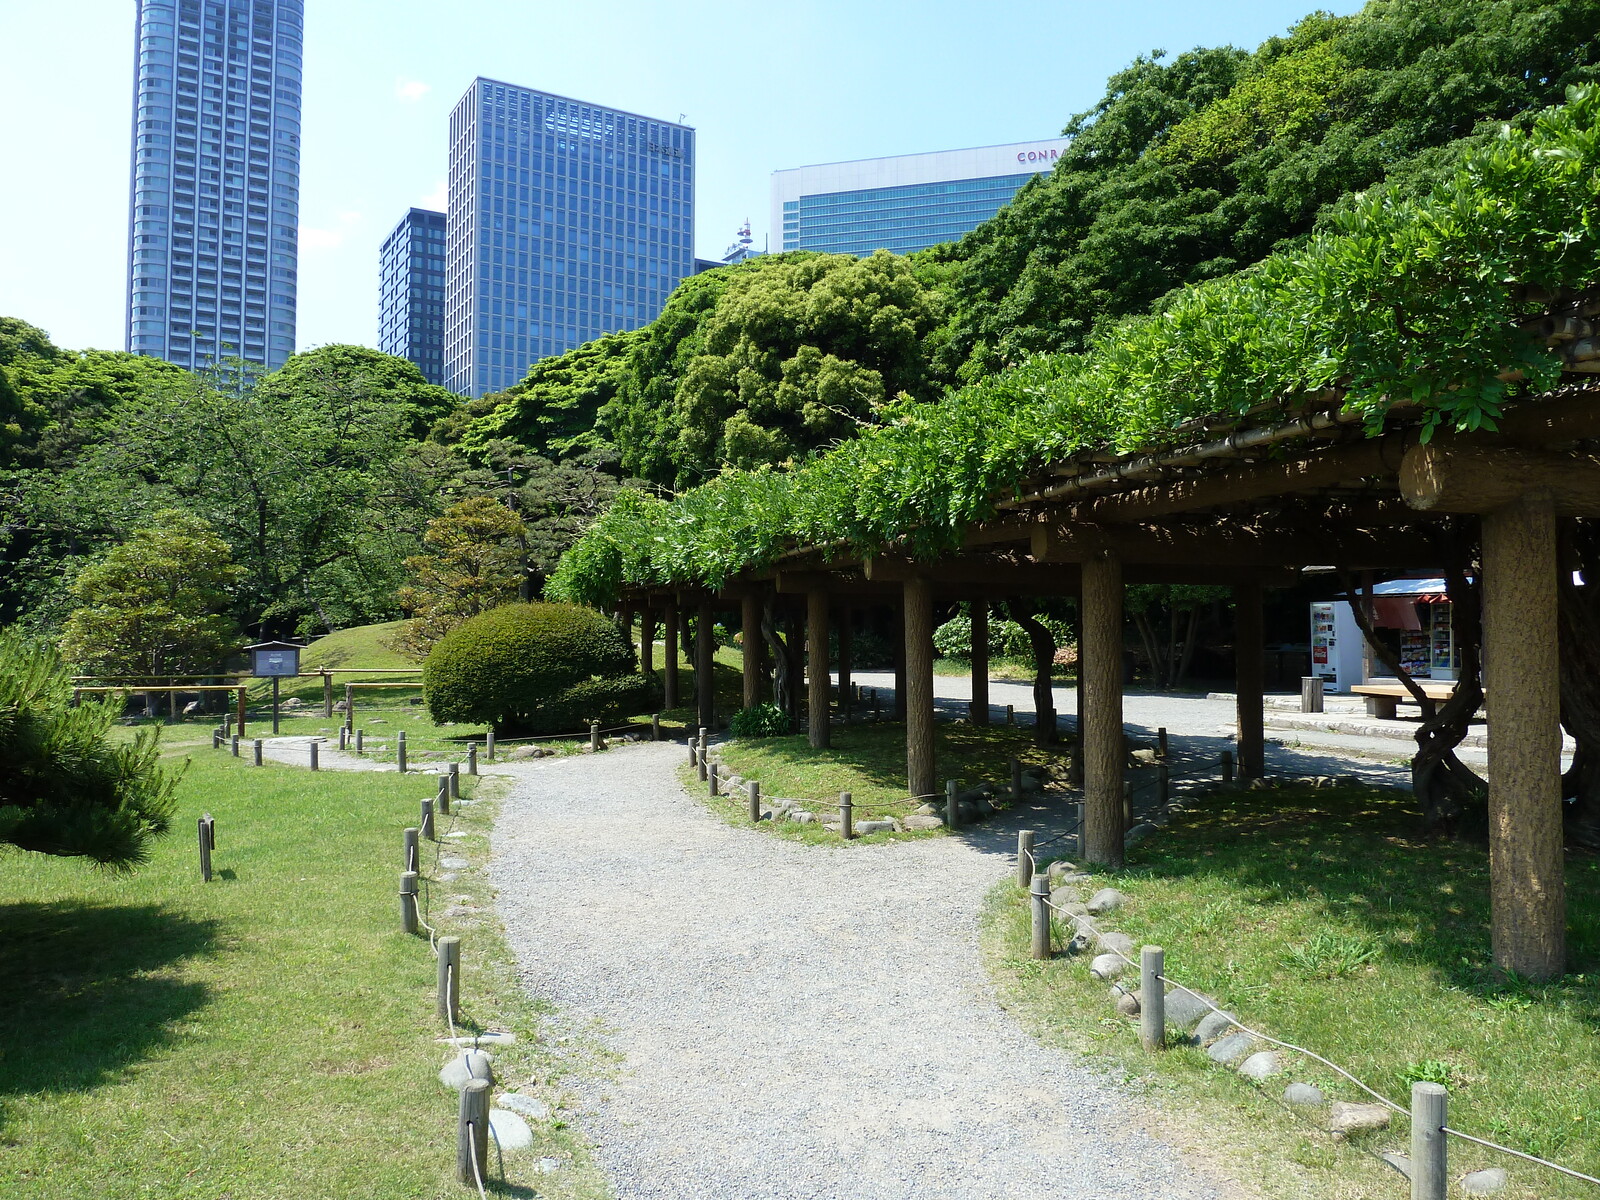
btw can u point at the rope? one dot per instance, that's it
(477, 1171)
(449, 990)
(1543, 1162)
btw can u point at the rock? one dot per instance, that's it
(924, 821)
(1346, 1118)
(1115, 943)
(1137, 834)
(1184, 1011)
(340, 706)
(1078, 909)
(510, 1131)
(1398, 1161)
(548, 1166)
(1485, 1183)
(1304, 1095)
(1107, 966)
(1128, 1003)
(1059, 868)
(452, 863)
(294, 702)
(1078, 943)
(469, 1064)
(527, 1106)
(482, 1039)
(803, 818)
(1106, 900)
(1231, 1048)
(1144, 758)
(866, 827)
(1076, 877)
(1213, 1026)
(1063, 896)
(1263, 1064)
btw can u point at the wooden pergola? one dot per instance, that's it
(1250, 505)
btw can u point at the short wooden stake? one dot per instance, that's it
(711, 775)
(235, 745)
(344, 737)
(1312, 695)
(455, 781)
(1039, 893)
(753, 791)
(410, 854)
(847, 816)
(216, 739)
(312, 746)
(1164, 784)
(1024, 857)
(472, 1133)
(655, 727)
(408, 901)
(952, 806)
(207, 841)
(441, 799)
(702, 757)
(427, 819)
(1429, 1166)
(1161, 742)
(1011, 714)
(594, 735)
(1152, 999)
(256, 751)
(1016, 782)
(877, 706)
(1227, 766)
(488, 745)
(400, 751)
(360, 747)
(472, 759)
(449, 982)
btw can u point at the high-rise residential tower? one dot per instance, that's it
(215, 199)
(903, 203)
(411, 292)
(566, 220)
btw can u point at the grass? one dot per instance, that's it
(1013, 670)
(868, 760)
(1322, 918)
(269, 1034)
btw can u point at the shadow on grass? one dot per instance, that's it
(89, 980)
(1359, 855)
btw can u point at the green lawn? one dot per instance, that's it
(270, 1034)
(1320, 916)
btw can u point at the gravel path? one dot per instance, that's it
(796, 1021)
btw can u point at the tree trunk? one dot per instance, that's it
(1580, 683)
(1152, 648)
(1043, 643)
(782, 684)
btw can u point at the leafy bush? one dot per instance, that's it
(759, 721)
(533, 668)
(1007, 639)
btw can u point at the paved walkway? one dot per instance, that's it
(797, 1021)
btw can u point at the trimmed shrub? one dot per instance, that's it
(534, 668)
(759, 721)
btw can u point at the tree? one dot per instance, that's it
(64, 788)
(473, 563)
(1179, 606)
(155, 605)
(354, 376)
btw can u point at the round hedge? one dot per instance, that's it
(533, 668)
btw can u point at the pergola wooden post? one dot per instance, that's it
(817, 679)
(647, 640)
(1249, 676)
(917, 619)
(897, 635)
(844, 623)
(669, 656)
(1521, 670)
(704, 649)
(1100, 728)
(979, 711)
(750, 639)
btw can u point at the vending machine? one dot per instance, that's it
(1336, 645)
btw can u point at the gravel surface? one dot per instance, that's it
(796, 1021)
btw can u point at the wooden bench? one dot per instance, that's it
(1384, 699)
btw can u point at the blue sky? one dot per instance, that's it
(766, 86)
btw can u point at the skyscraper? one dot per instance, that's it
(903, 203)
(566, 220)
(215, 198)
(411, 292)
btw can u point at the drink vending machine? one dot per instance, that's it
(1336, 645)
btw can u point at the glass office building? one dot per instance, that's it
(566, 221)
(214, 210)
(903, 203)
(411, 292)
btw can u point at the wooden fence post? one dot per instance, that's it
(256, 751)
(408, 901)
(441, 799)
(426, 824)
(594, 736)
(411, 855)
(455, 781)
(208, 840)
(1161, 742)
(1313, 697)
(952, 807)
(753, 790)
(472, 759)
(1429, 1168)
(1016, 783)
(1011, 714)
(235, 745)
(488, 745)
(472, 1133)
(361, 747)
(655, 727)
(1227, 766)
(312, 746)
(449, 980)
(1164, 785)
(1039, 893)
(327, 694)
(711, 775)
(400, 751)
(1152, 999)
(847, 816)
(1024, 857)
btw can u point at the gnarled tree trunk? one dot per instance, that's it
(1043, 643)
